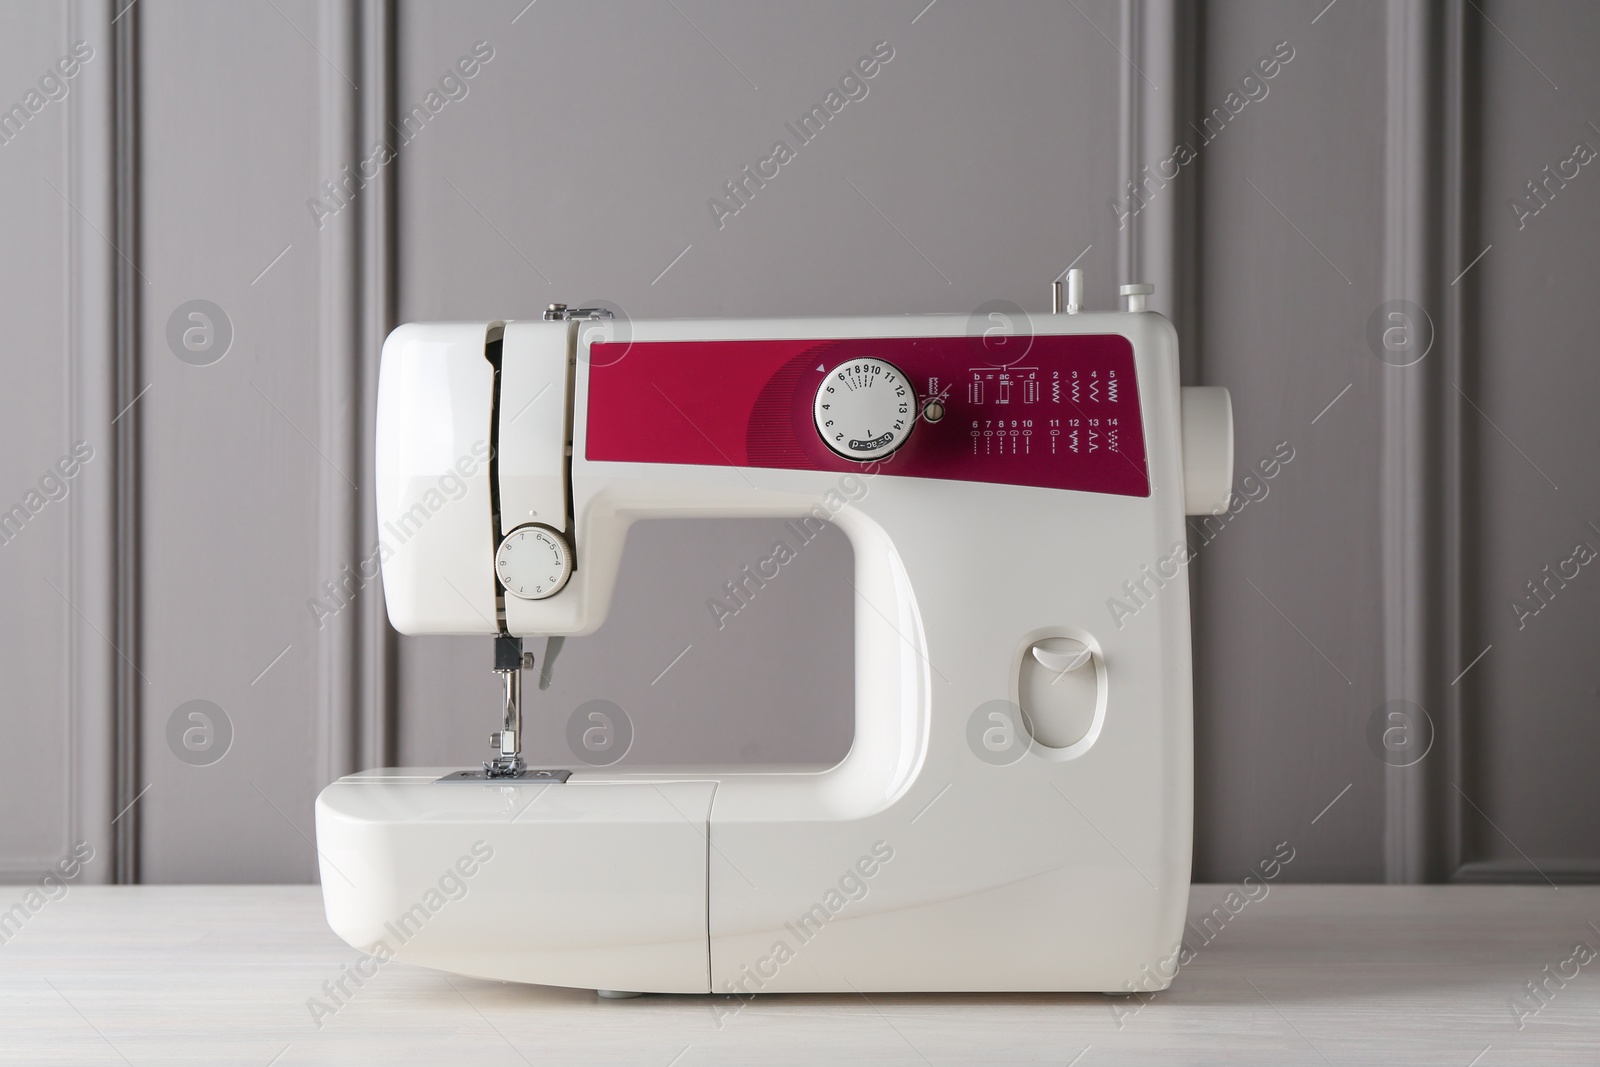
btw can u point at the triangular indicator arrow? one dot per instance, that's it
(821, 367)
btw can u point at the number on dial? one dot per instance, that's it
(865, 409)
(533, 562)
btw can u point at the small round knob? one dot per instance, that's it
(1136, 294)
(865, 409)
(533, 562)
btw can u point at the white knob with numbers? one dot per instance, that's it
(533, 562)
(865, 409)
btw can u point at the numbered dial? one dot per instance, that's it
(865, 409)
(533, 562)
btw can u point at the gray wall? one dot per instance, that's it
(1374, 567)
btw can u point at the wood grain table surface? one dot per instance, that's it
(1305, 975)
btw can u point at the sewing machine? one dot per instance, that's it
(1015, 812)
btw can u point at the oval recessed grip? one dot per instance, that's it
(1058, 690)
(1061, 660)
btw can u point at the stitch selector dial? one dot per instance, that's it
(865, 409)
(533, 562)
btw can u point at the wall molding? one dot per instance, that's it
(128, 288)
(356, 654)
(1462, 229)
(376, 698)
(87, 661)
(1421, 472)
(102, 775)
(1157, 89)
(1556, 871)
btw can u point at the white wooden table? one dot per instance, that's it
(1309, 974)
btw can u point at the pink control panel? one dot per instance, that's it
(1064, 415)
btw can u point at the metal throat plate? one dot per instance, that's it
(558, 777)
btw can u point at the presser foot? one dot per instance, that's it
(504, 766)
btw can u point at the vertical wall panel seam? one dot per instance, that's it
(1152, 247)
(1401, 425)
(1149, 247)
(338, 324)
(1460, 241)
(1440, 548)
(70, 781)
(126, 449)
(1188, 306)
(377, 744)
(90, 358)
(1156, 250)
(1192, 33)
(1419, 523)
(1131, 101)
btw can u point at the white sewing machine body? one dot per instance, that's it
(915, 864)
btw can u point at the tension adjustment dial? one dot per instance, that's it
(865, 409)
(533, 562)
